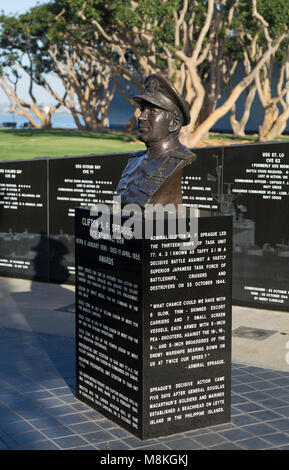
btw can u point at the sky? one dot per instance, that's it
(18, 6)
(21, 6)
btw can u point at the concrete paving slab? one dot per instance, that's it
(272, 352)
(34, 306)
(40, 307)
(39, 410)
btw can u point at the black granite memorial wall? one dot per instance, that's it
(23, 219)
(248, 181)
(256, 192)
(153, 328)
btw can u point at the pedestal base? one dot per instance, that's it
(153, 328)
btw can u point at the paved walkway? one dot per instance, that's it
(38, 409)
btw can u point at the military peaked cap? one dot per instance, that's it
(161, 93)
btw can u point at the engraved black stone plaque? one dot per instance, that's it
(23, 219)
(202, 182)
(76, 181)
(256, 185)
(153, 328)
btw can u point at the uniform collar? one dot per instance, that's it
(178, 147)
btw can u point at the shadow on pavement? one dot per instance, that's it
(50, 345)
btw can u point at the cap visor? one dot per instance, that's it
(140, 98)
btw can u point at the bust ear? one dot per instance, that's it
(175, 123)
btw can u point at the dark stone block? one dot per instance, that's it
(258, 178)
(153, 328)
(23, 219)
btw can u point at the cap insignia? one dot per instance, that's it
(152, 86)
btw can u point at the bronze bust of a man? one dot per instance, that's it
(155, 175)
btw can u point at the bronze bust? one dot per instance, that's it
(155, 175)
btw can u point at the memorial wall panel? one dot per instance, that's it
(23, 219)
(202, 181)
(76, 181)
(256, 193)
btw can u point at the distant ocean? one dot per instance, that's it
(62, 121)
(118, 117)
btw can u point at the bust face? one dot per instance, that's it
(153, 123)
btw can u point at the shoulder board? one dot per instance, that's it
(182, 153)
(137, 154)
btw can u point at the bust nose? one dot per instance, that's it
(143, 115)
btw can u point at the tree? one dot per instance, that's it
(274, 17)
(211, 33)
(195, 43)
(241, 49)
(87, 80)
(20, 46)
(185, 40)
(87, 84)
(50, 38)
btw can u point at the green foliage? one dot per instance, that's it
(24, 35)
(32, 33)
(276, 13)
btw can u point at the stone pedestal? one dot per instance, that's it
(153, 328)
